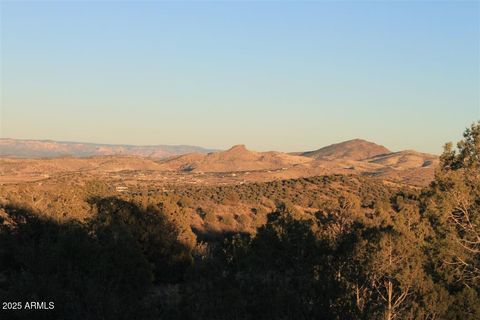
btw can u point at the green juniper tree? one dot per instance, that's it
(454, 208)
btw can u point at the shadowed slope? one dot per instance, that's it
(406, 159)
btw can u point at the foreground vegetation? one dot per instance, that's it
(334, 247)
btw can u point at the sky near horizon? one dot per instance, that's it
(284, 76)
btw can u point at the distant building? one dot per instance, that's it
(121, 188)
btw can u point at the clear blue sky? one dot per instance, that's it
(273, 75)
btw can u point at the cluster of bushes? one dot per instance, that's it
(304, 192)
(103, 268)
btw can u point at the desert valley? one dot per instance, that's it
(63, 180)
(189, 218)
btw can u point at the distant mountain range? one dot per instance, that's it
(49, 148)
(349, 157)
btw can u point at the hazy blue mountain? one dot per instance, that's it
(49, 148)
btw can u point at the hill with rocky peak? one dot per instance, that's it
(237, 158)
